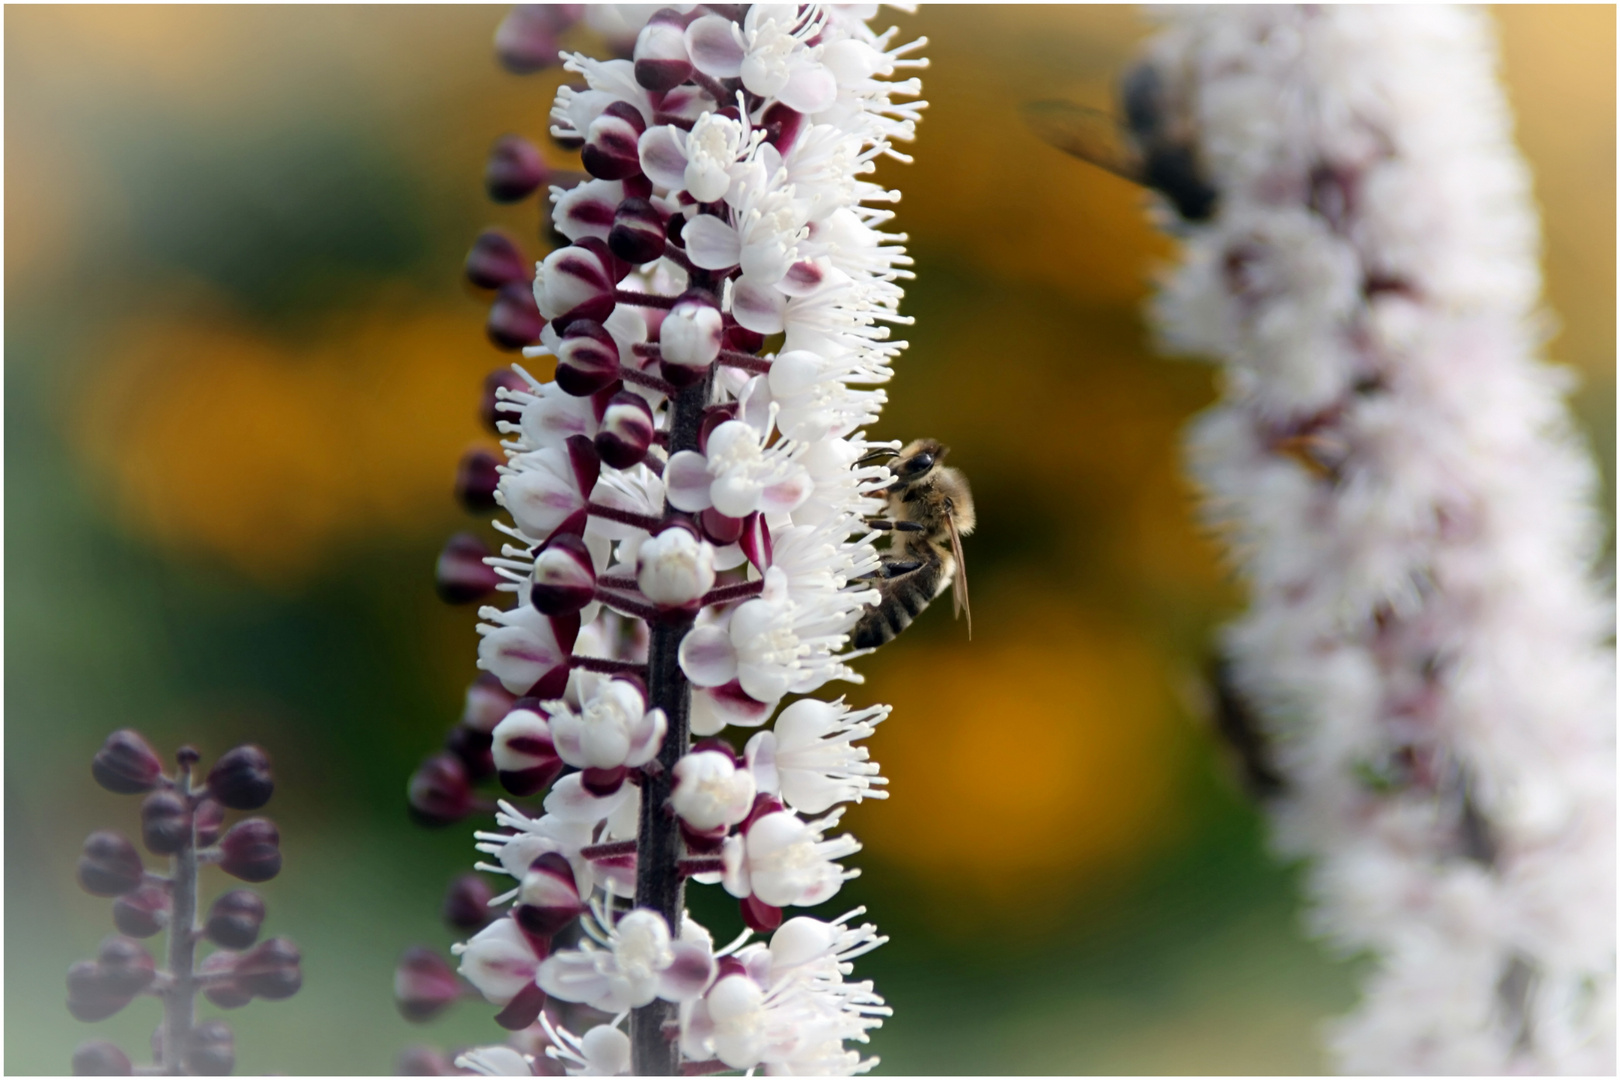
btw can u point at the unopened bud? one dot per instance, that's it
(241, 779)
(527, 39)
(472, 748)
(548, 899)
(514, 320)
(90, 998)
(564, 576)
(662, 62)
(466, 903)
(234, 919)
(486, 703)
(142, 911)
(423, 1061)
(223, 992)
(126, 764)
(587, 358)
(271, 970)
(626, 431)
(211, 1050)
(496, 259)
(525, 758)
(439, 792)
(476, 481)
(424, 984)
(675, 568)
(126, 967)
(689, 340)
(208, 819)
(612, 148)
(488, 409)
(572, 283)
(165, 822)
(515, 168)
(637, 235)
(110, 865)
(98, 1057)
(251, 850)
(461, 576)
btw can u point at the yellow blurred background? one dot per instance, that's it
(242, 365)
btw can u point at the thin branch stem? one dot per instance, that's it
(603, 666)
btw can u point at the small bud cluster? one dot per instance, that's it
(689, 549)
(185, 822)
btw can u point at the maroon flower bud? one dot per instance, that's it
(719, 529)
(637, 235)
(662, 62)
(251, 850)
(548, 899)
(587, 358)
(234, 919)
(576, 282)
(110, 865)
(439, 792)
(523, 1009)
(564, 576)
(466, 903)
(525, 758)
(782, 126)
(461, 575)
(515, 168)
(98, 1057)
(488, 408)
(126, 967)
(211, 1050)
(208, 819)
(424, 984)
(759, 916)
(126, 764)
(526, 40)
(487, 702)
(90, 998)
(473, 748)
(241, 779)
(476, 480)
(743, 339)
(602, 782)
(223, 991)
(627, 430)
(423, 1061)
(143, 911)
(270, 970)
(165, 822)
(612, 142)
(496, 259)
(514, 320)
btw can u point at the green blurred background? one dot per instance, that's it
(241, 365)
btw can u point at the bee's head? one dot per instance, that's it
(918, 460)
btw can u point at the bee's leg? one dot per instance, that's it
(891, 568)
(883, 525)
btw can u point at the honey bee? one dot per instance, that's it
(1154, 146)
(930, 509)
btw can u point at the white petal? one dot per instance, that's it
(663, 155)
(758, 308)
(711, 243)
(810, 89)
(712, 43)
(707, 656)
(687, 481)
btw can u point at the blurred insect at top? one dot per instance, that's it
(1153, 146)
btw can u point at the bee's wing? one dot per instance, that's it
(959, 589)
(1088, 134)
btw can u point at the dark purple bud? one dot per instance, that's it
(143, 911)
(126, 967)
(564, 576)
(612, 142)
(523, 1009)
(461, 575)
(241, 779)
(488, 409)
(234, 919)
(423, 1061)
(424, 984)
(110, 865)
(211, 1051)
(165, 822)
(576, 282)
(637, 235)
(251, 850)
(615, 267)
(223, 991)
(514, 170)
(90, 998)
(743, 339)
(587, 358)
(476, 481)
(98, 1057)
(126, 764)
(270, 970)
(525, 758)
(514, 320)
(627, 430)
(719, 529)
(496, 260)
(759, 916)
(487, 702)
(548, 899)
(466, 903)
(473, 748)
(662, 62)
(208, 818)
(526, 40)
(602, 782)
(439, 792)
(782, 126)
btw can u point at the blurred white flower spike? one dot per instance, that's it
(1425, 652)
(687, 544)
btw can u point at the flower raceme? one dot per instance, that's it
(687, 542)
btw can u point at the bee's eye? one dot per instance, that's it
(919, 464)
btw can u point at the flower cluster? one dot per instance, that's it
(186, 823)
(688, 549)
(1424, 649)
